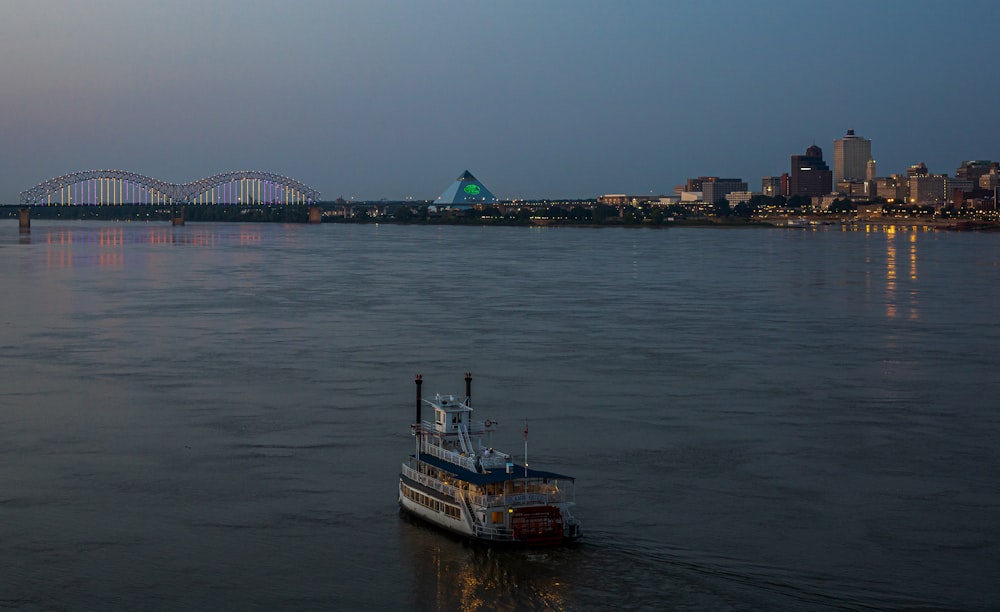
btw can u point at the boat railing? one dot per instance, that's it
(450, 456)
(520, 499)
(526, 499)
(471, 462)
(469, 510)
(427, 481)
(488, 532)
(494, 461)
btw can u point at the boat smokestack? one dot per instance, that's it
(419, 380)
(468, 389)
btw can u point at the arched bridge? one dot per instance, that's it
(124, 187)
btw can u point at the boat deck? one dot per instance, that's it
(491, 476)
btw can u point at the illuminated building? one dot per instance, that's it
(613, 199)
(975, 169)
(891, 188)
(850, 158)
(928, 188)
(694, 184)
(715, 189)
(736, 198)
(853, 188)
(465, 191)
(771, 186)
(871, 170)
(810, 176)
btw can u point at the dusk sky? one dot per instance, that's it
(372, 99)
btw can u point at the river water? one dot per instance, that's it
(213, 416)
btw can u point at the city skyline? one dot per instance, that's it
(555, 99)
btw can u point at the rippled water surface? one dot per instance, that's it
(213, 416)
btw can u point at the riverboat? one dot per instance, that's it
(458, 482)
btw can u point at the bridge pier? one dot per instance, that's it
(315, 214)
(24, 219)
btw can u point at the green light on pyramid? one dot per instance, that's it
(466, 191)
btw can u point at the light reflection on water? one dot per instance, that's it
(901, 293)
(73, 245)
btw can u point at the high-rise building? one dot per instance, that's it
(694, 184)
(973, 169)
(771, 186)
(892, 189)
(928, 188)
(714, 189)
(990, 180)
(810, 176)
(850, 158)
(871, 170)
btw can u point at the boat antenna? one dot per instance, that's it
(468, 389)
(419, 379)
(525, 447)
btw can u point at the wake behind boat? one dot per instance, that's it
(457, 482)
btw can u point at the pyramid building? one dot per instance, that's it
(465, 191)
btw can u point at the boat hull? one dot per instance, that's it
(434, 509)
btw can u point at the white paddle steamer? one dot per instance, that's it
(456, 481)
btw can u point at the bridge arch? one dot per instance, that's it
(98, 187)
(125, 187)
(249, 186)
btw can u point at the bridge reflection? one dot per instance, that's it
(107, 246)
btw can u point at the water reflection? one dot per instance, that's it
(110, 241)
(449, 573)
(888, 228)
(893, 288)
